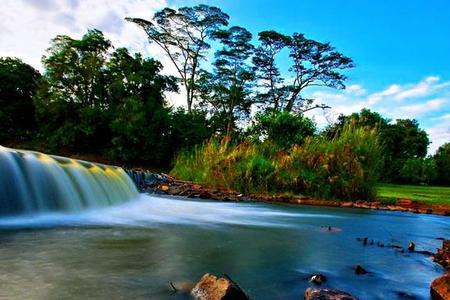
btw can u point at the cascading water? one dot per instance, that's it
(32, 182)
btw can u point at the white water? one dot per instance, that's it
(33, 182)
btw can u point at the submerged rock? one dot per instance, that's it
(442, 256)
(440, 288)
(359, 270)
(327, 294)
(212, 288)
(318, 279)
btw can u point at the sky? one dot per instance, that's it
(401, 48)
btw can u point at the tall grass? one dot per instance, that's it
(346, 167)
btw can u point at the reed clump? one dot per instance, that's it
(346, 167)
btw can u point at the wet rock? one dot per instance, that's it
(318, 279)
(442, 256)
(411, 246)
(440, 288)
(212, 288)
(359, 270)
(327, 294)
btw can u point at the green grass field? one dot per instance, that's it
(421, 193)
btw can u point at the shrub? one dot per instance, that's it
(418, 170)
(442, 159)
(346, 167)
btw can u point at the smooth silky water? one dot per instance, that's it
(132, 246)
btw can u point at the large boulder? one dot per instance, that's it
(327, 294)
(440, 288)
(212, 288)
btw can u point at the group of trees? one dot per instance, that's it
(243, 75)
(93, 98)
(405, 148)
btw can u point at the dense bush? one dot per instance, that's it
(346, 167)
(18, 82)
(282, 128)
(419, 171)
(442, 159)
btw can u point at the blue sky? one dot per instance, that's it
(401, 48)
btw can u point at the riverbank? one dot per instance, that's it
(168, 185)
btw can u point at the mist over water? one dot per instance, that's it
(134, 249)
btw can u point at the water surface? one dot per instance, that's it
(132, 251)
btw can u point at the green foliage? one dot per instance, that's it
(94, 101)
(419, 171)
(189, 129)
(183, 35)
(345, 168)
(227, 91)
(282, 128)
(18, 83)
(401, 140)
(442, 159)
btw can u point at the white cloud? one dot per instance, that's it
(27, 26)
(417, 110)
(439, 135)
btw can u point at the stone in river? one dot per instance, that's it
(359, 270)
(440, 288)
(318, 279)
(327, 294)
(212, 288)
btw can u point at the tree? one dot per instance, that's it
(72, 95)
(227, 90)
(268, 73)
(183, 35)
(18, 84)
(442, 159)
(401, 140)
(139, 120)
(418, 171)
(283, 128)
(314, 64)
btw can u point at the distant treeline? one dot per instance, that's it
(92, 98)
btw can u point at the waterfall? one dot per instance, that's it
(32, 182)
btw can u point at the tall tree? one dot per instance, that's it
(18, 84)
(183, 35)
(72, 95)
(229, 87)
(268, 72)
(314, 64)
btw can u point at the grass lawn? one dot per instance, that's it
(421, 193)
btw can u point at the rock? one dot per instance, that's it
(411, 246)
(442, 256)
(318, 279)
(212, 288)
(327, 294)
(359, 270)
(440, 288)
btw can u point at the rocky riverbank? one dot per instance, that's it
(165, 184)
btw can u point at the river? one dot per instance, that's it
(133, 250)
